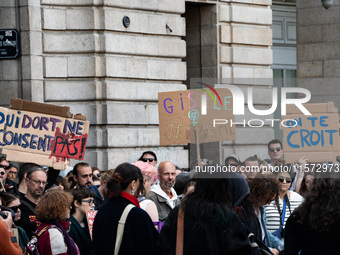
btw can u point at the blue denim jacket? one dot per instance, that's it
(270, 240)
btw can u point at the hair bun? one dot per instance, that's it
(117, 177)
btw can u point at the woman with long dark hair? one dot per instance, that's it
(306, 183)
(139, 235)
(314, 227)
(210, 227)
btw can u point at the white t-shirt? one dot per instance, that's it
(144, 204)
(273, 216)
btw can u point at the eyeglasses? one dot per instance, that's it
(11, 172)
(90, 201)
(37, 182)
(2, 173)
(14, 208)
(98, 175)
(273, 149)
(288, 180)
(148, 159)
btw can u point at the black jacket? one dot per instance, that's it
(140, 235)
(225, 238)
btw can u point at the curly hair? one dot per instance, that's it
(322, 204)
(53, 206)
(148, 171)
(262, 189)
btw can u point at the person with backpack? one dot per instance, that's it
(53, 211)
(121, 226)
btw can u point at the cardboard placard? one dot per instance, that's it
(315, 136)
(90, 215)
(42, 138)
(182, 117)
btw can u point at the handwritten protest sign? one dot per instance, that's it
(186, 114)
(90, 215)
(315, 136)
(41, 138)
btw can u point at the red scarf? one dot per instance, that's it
(129, 197)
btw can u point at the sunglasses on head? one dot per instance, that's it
(273, 149)
(4, 167)
(148, 159)
(288, 180)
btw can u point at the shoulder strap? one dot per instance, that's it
(180, 232)
(120, 228)
(28, 205)
(44, 229)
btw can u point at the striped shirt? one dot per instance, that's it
(273, 216)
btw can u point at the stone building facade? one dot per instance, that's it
(79, 53)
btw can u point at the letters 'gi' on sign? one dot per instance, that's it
(186, 114)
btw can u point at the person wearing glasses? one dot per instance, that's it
(275, 151)
(12, 173)
(83, 200)
(35, 180)
(12, 202)
(150, 157)
(277, 212)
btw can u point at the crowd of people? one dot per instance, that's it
(264, 207)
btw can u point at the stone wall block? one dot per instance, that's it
(68, 42)
(309, 34)
(81, 66)
(54, 19)
(252, 15)
(77, 90)
(224, 14)
(225, 36)
(259, 56)
(252, 35)
(312, 69)
(80, 18)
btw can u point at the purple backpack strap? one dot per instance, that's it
(159, 224)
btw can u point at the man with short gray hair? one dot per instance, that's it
(164, 195)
